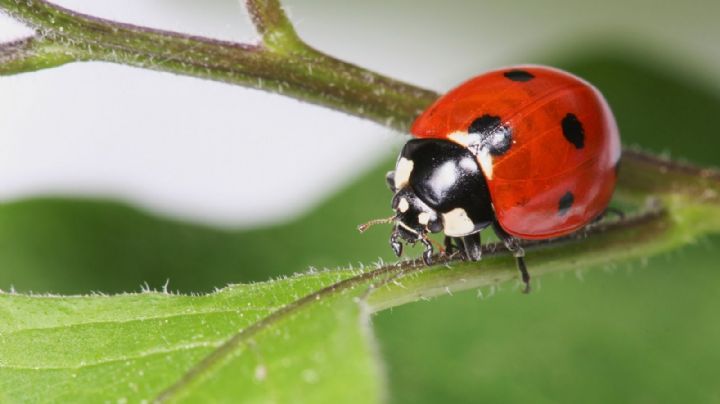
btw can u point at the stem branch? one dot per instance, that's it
(281, 64)
(30, 54)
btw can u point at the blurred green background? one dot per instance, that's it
(641, 332)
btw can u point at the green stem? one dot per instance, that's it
(30, 54)
(282, 64)
(275, 28)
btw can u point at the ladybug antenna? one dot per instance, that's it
(361, 228)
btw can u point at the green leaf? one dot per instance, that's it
(133, 347)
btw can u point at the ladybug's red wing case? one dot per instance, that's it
(545, 140)
(561, 176)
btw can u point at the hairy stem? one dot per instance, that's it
(282, 63)
(275, 28)
(30, 54)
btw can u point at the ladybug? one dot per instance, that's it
(530, 151)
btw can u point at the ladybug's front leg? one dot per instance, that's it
(428, 252)
(395, 243)
(513, 244)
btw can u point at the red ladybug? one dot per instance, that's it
(531, 151)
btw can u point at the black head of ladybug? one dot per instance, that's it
(438, 186)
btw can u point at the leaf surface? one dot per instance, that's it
(132, 347)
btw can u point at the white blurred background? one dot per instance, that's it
(236, 157)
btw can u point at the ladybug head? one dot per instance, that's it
(413, 220)
(413, 217)
(437, 186)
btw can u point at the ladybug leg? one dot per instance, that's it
(609, 210)
(390, 179)
(395, 243)
(453, 245)
(615, 211)
(449, 246)
(513, 244)
(520, 260)
(427, 254)
(473, 247)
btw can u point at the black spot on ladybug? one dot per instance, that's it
(494, 136)
(484, 124)
(573, 131)
(566, 201)
(518, 75)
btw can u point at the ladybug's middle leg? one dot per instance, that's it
(469, 247)
(452, 245)
(513, 244)
(609, 210)
(473, 246)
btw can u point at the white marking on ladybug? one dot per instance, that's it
(469, 164)
(472, 142)
(444, 176)
(457, 223)
(424, 218)
(486, 163)
(498, 137)
(403, 205)
(460, 137)
(402, 172)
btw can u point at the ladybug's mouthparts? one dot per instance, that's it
(361, 228)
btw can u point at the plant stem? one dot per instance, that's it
(275, 28)
(282, 63)
(30, 54)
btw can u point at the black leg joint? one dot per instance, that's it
(427, 254)
(473, 246)
(513, 244)
(395, 244)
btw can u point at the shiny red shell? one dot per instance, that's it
(544, 185)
